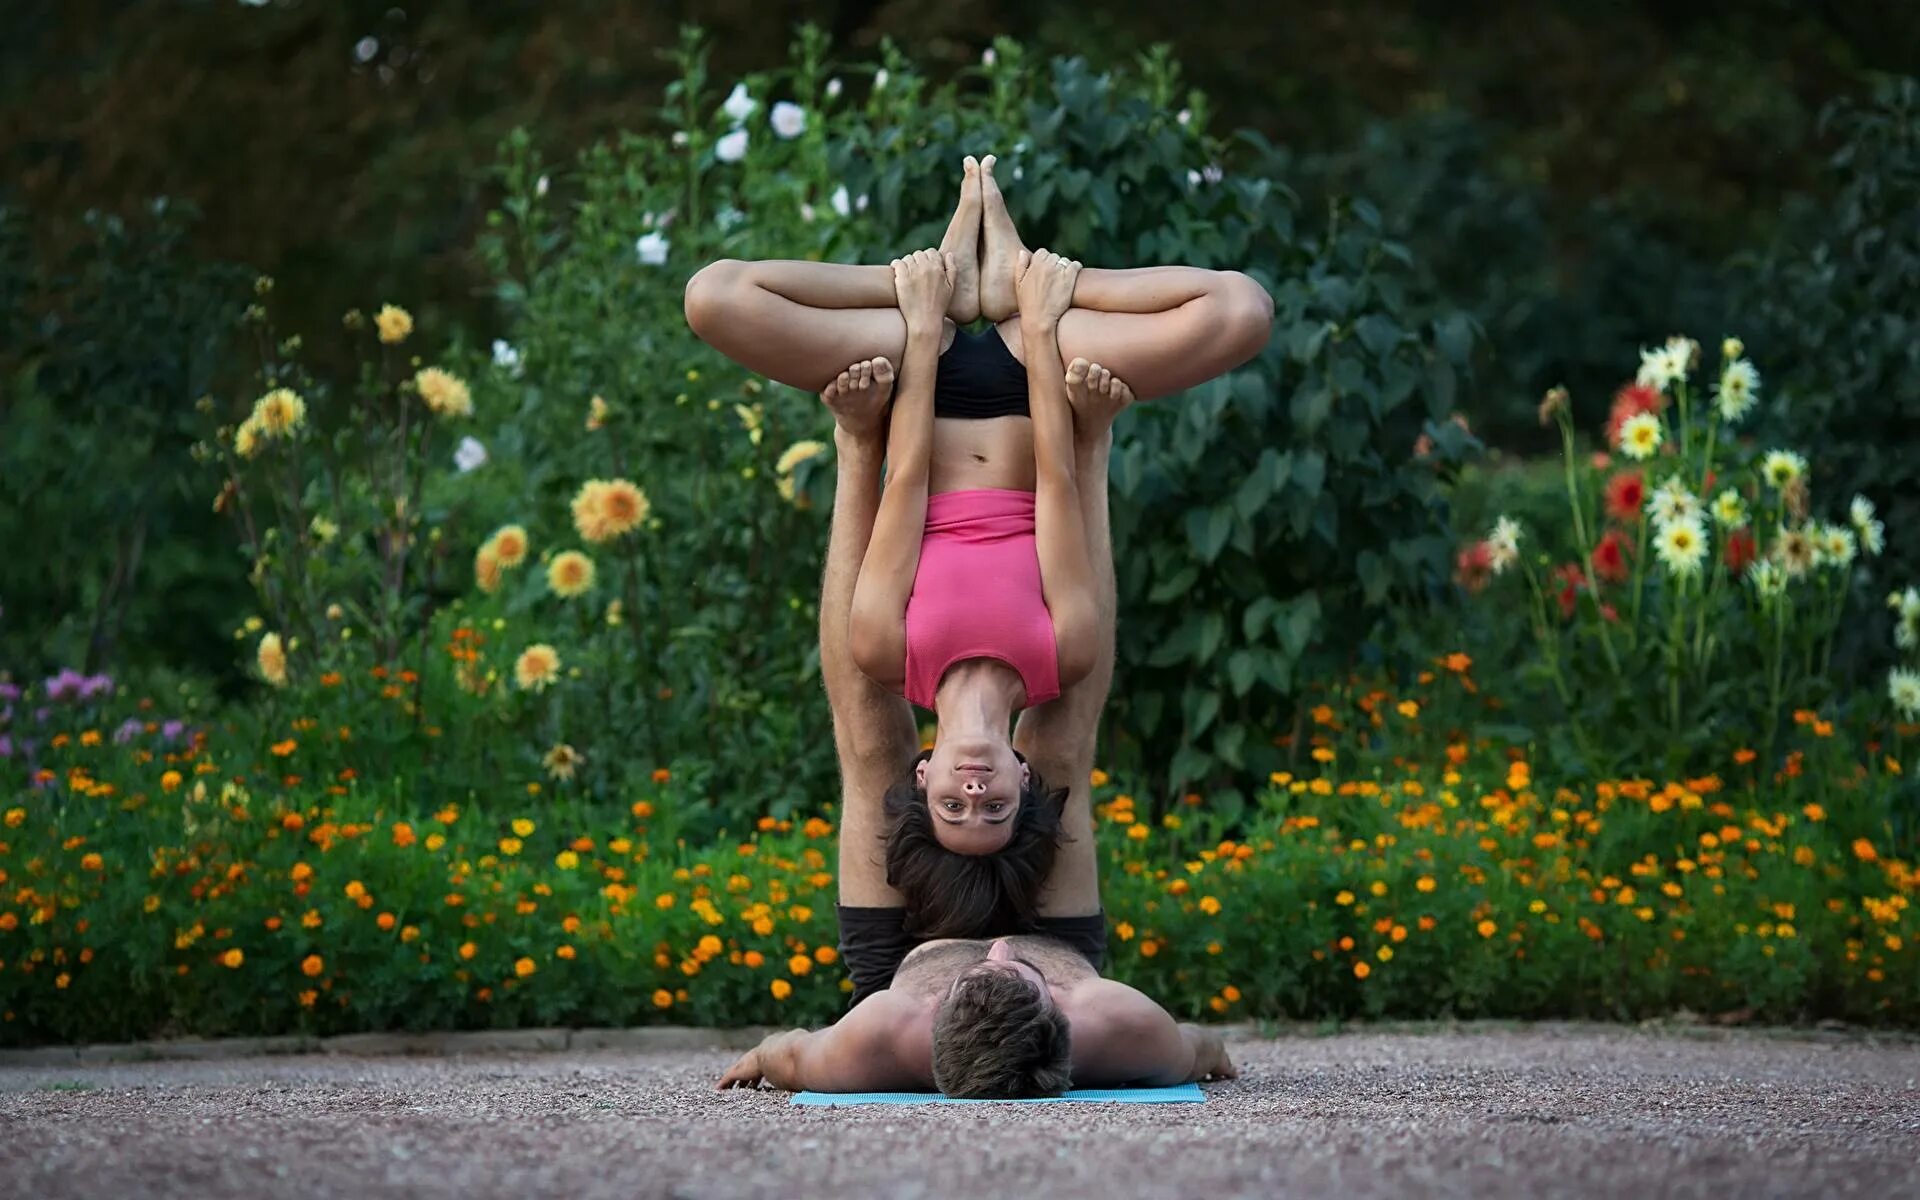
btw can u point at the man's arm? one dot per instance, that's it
(1120, 1038)
(868, 1050)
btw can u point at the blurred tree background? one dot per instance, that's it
(1581, 178)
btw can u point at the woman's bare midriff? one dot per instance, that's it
(993, 453)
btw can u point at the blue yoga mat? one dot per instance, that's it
(1186, 1093)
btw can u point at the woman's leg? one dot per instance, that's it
(1162, 329)
(802, 322)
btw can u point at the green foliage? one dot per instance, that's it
(1837, 295)
(107, 351)
(1299, 515)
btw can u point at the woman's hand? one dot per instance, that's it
(923, 287)
(1043, 283)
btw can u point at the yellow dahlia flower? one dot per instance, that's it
(279, 412)
(509, 544)
(445, 393)
(272, 657)
(486, 569)
(570, 574)
(246, 439)
(604, 509)
(394, 322)
(537, 666)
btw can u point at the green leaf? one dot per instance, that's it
(1207, 530)
(1241, 671)
(1200, 707)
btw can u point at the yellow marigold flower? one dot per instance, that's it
(570, 574)
(604, 509)
(1386, 954)
(780, 988)
(233, 958)
(662, 998)
(537, 667)
(16, 817)
(279, 413)
(1209, 905)
(509, 846)
(272, 657)
(1343, 898)
(355, 889)
(486, 569)
(1378, 887)
(394, 323)
(566, 860)
(312, 966)
(1123, 931)
(445, 393)
(1361, 970)
(1138, 832)
(522, 827)
(524, 967)
(169, 780)
(1487, 928)
(663, 901)
(597, 414)
(798, 453)
(1408, 709)
(800, 964)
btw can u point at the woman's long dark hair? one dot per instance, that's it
(970, 895)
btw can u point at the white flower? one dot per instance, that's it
(1906, 603)
(1873, 537)
(739, 106)
(726, 217)
(1184, 116)
(1860, 512)
(1782, 467)
(841, 204)
(540, 186)
(1729, 509)
(988, 57)
(1839, 545)
(731, 148)
(506, 357)
(1739, 386)
(1903, 688)
(1640, 436)
(1671, 502)
(860, 201)
(1682, 546)
(679, 137)
(471, 455)
(833, 87)
(1193, 178)
(789, 120)
(806, 212)
(1212, 173)
(880, 78)
(1906, 635)
(1767, 578)
(652, 248)
(1665, 365)
(1503, 544)
(1732, 348)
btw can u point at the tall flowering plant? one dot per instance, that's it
(1693, 591)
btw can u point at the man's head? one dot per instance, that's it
(953, 894)
(999, 1035)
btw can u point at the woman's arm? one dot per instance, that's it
(1045, 290)
(878, 635)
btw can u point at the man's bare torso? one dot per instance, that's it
(929, 970)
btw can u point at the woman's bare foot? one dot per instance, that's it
(1000, 249)
(858, 399)
(1096, 395)
(963, 242)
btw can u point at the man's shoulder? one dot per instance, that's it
(1102, 1012)
(897, 1026)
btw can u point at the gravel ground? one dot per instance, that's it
(1476, 1112)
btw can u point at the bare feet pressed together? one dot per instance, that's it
(1000, 249)
(859, 397)
(962, 245)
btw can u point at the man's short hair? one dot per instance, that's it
(996, 1038)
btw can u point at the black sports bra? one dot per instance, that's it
(979, 378)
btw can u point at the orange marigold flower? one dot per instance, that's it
(524, 967)
(800, 964)
(781, 989)
(312, 965)
(753, 958)
(662, 998)
(233, 958)
(1864, 851)
(1487, 928)
(1361, 970)
(468, 950)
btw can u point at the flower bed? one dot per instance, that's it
(146, 891)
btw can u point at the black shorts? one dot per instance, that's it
(874, 942)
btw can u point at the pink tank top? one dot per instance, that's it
(977, 594)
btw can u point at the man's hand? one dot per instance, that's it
(1043, 283)
(923, 287)
(1210, 1059)
(749, 1070)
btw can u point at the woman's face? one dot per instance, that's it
(973, 793)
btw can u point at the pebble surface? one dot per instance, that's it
(1472, 1112)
